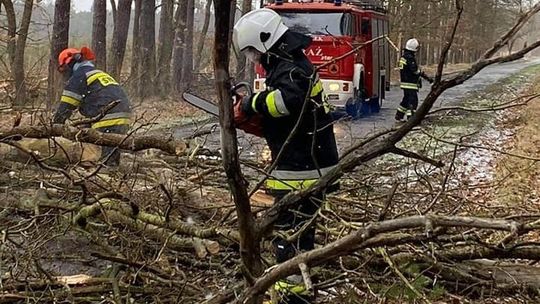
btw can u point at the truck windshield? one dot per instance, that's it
(315, 23)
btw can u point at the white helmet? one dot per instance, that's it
(412, 45)
(259, 29)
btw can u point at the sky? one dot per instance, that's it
(82, 5)
(85, 5)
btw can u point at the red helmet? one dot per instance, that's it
(71, 54)
(66, 57)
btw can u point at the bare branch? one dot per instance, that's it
(503, 40)
(411, 154)
(444, 53)
(353, 240)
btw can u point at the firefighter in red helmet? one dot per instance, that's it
(410, 75)
(91, 91)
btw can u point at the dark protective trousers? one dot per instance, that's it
(408, 104)
(110, 156)
(291, 221)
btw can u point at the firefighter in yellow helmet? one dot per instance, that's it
(91, 91)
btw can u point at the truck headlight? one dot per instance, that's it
(333, 87)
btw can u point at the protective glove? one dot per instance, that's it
(244, 120)
(426, 77)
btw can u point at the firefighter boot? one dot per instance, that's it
(292, 290)
(400, 113)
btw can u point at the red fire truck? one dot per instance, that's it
(358, 82)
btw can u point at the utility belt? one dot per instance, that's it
(113, 119)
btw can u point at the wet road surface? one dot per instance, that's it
(348, 131)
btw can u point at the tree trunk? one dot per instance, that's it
(136, 47)
(18, 63)
(99, 33)
(180, 18)
(187, 62)
(166, 37)
(114, 11)
(59, 42)
(245, 67)
(204, 31)
(11, 30)
(120, 34)
(249, 235)
(147, 73)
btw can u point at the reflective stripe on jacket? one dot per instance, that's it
(90, 91)
(409, 72)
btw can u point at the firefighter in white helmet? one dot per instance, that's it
(291, 88)
(410, 75)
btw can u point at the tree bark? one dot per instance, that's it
(136, 46)
(166, 39)
(245, 67)
(187, 62)
(11, 30)
(114, 11)
(147, 73)
(120, 34)
(249, 235)
(180, 18)
(59, 42)
(18, 63)
(204, 31)
(99, 33)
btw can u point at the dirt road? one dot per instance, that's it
(362, 127)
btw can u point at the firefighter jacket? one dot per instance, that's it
(312, 150)
(409, 71)
(91, 90)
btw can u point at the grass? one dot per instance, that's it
(521, 176)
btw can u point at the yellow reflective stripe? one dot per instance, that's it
(111, 122)
(271, 104)
(94, 77)
(254, 102)
(104, 78)
(408, 85)
(286, 287)
(402, 109)
(317, 88)
(402, 63)
(289, 184)
(72, 101)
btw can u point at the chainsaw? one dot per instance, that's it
(209, 106)
(252, 125)
(201, 103)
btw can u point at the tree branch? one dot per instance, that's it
(503, 40)
(133, 142)
(249, 236)
(411, 154)
(349, 243)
